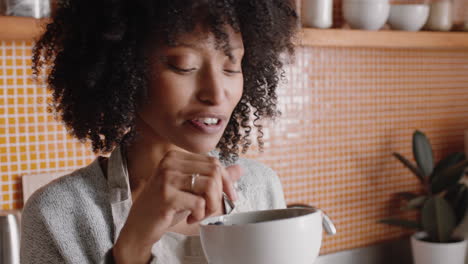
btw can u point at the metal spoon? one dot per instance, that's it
(229, 202)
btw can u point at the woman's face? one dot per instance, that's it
(193, 91)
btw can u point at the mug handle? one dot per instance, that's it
(327, 222)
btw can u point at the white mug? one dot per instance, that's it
(317, 13)
(441, 16)
(9, 236)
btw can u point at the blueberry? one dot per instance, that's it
(216, 223)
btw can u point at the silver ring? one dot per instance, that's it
(194, 178)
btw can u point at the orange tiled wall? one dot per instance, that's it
(31, 141)
(344, 112)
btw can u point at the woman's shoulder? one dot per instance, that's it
(68, 219)
(68, 191)
(254, 172)
(257, 171)
(261, 184)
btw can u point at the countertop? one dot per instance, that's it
(393, 252)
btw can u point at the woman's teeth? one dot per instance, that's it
(208, 120)
(207, 125)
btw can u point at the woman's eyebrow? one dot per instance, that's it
(232, 58)
(186, 45)
(197, 46)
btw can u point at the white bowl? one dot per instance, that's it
(280, 236)
(408, 17)
(368, 15)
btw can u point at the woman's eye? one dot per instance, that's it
(182, 70)
(232, 71)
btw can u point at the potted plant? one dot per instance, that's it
(442, 205)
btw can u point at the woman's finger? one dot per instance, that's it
(211, 190)
(200, 167)
(191, 202)
(183, 155)
(207, 187)
(235, 172)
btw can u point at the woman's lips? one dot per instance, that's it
(206, 128)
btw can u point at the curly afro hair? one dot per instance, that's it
(94, 55)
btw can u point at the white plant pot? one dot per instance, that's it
(437, 253)
(462, 231)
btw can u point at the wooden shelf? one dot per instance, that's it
(383, 39)
(20, 28)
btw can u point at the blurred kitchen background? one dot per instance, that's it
(346, 108)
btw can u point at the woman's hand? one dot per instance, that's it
(168, 198)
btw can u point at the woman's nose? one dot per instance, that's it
(211, 89)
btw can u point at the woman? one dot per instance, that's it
(167, 88)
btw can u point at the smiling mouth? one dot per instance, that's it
(206, 125)
(209, 121)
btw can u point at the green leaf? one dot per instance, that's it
(416, 171)
(438, 219)
(455, 193)
(462, 210)
(422, 152)
(415, 203)
(406, 195)
(401, 222)
(448, 177)
(447, 162)
(461, 207)
(457, 196)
